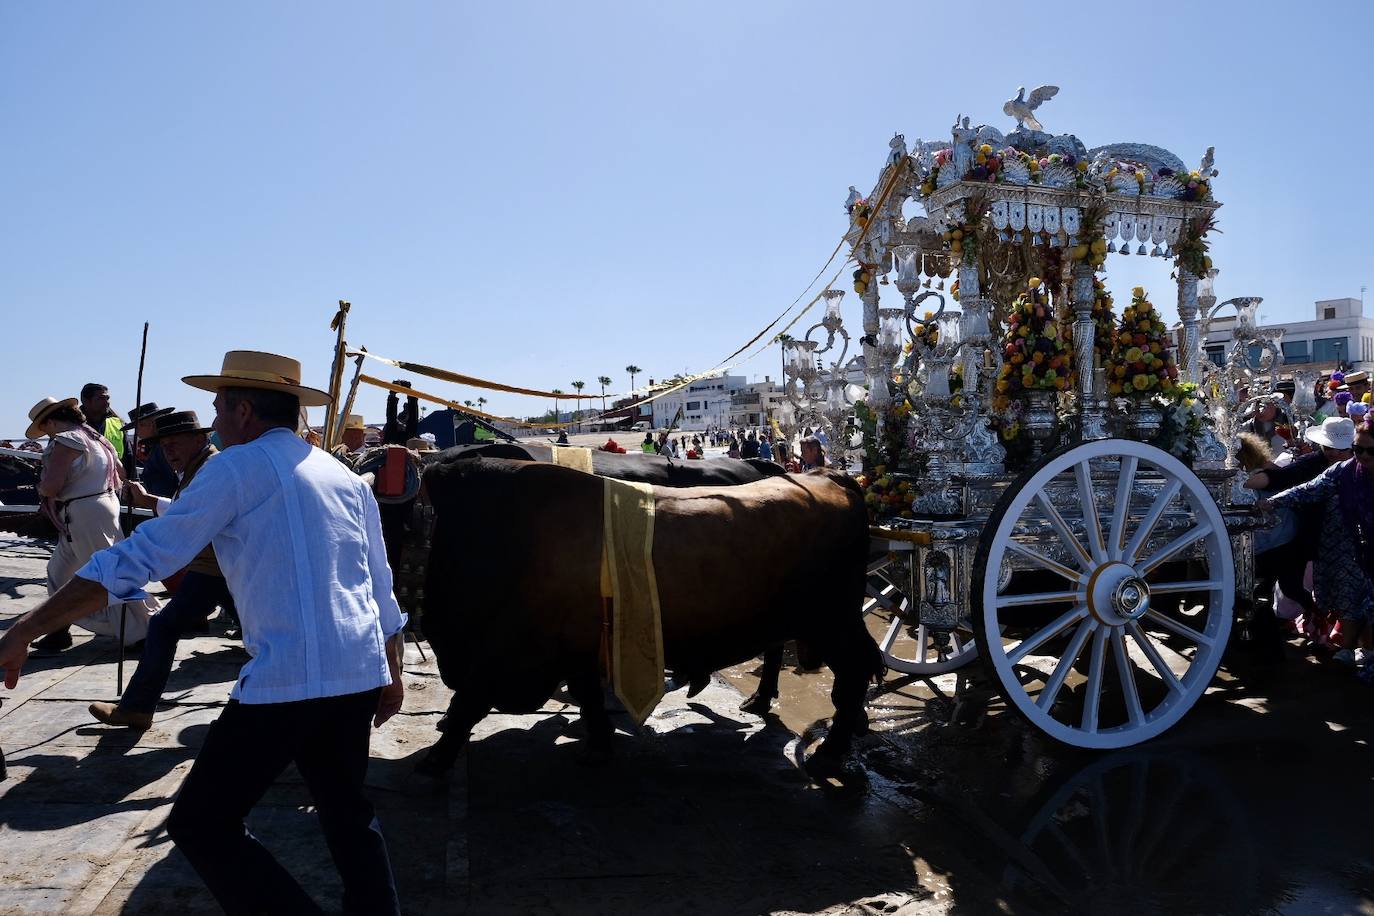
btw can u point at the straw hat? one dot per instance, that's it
(1335, 432)
(254, 369)
(355, 421)
(421, 444)
(40, 412)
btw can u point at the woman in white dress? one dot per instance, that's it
(79, 486)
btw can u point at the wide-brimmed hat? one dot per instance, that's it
(1335, 432)
(149, 411)
(40, 412)
(1354, 378)
(355, 421)
(255, 369)
(420, 444)
(180, 421)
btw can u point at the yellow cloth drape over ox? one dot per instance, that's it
(627, 578)
(575, 457)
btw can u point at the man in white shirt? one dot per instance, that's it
(299, 541)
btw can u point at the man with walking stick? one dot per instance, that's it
(319, 620)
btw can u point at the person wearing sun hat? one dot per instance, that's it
(299, 540)
(149, 465)
(1343, 571)
(186, 445)
(78, 492)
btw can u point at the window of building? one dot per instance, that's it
(1217, 354)
(1295, 351)
(1328, 350)
(1330, 313)
(693, 405)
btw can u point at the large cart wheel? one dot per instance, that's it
(907, 645)
(1141, 588)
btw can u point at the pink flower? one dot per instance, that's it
(1044, 163)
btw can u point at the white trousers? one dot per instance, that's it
(92, 525)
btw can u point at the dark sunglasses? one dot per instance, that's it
(1362, 449)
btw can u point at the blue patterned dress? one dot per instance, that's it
(1338, 577)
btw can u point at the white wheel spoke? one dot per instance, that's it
(1199, 585)
(1147, 524)
(1061, 670)
(1041, 560)
(1061, 528)
(1033, 598)
(1093, 695)
(890, 636)
(1179, 629)
(1092, 525)
(922, 643)
(958, 646)
(1125, 670)
(1188, 538)
(1054, 628)
(1147, 646)
(1125, 485)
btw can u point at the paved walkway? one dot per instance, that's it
(1256, 802)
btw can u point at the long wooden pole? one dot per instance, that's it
(331, 412)
(342, 419)
(129, 504)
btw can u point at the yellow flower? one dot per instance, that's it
(1140, 382)
(985, 148)
(1033, 282)
(1133, 354)
(1138, 292)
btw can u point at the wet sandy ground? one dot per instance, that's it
(1256, 803)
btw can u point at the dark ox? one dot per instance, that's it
(514, 605)
(660, 471)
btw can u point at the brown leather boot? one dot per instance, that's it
(111, 714)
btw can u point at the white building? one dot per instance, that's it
(705, 403)
(1339, 333)
(754, 403)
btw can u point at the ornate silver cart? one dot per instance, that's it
(1086, 538)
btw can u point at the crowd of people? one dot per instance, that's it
(1318, 558)
(740, 443)
(235, 509)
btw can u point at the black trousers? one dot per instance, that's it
(246, 750)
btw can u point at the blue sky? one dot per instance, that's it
(540, 192)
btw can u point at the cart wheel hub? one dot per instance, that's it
(1116, 595)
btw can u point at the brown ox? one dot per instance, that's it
(515, 608)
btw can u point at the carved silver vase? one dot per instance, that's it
(1144, 421)
(1040, 418)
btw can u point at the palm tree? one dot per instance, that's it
(556, 393)
(578, 386)
(467, 404)
(633, 370)
(481, 403)
(603, 380)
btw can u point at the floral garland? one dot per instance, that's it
(963, 243)
(1104, 323)
(1192, 248)
(1185, 419)
(1141, 363)
(1034, 352)
(862, 277)
(885, 495)
(990, 165)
